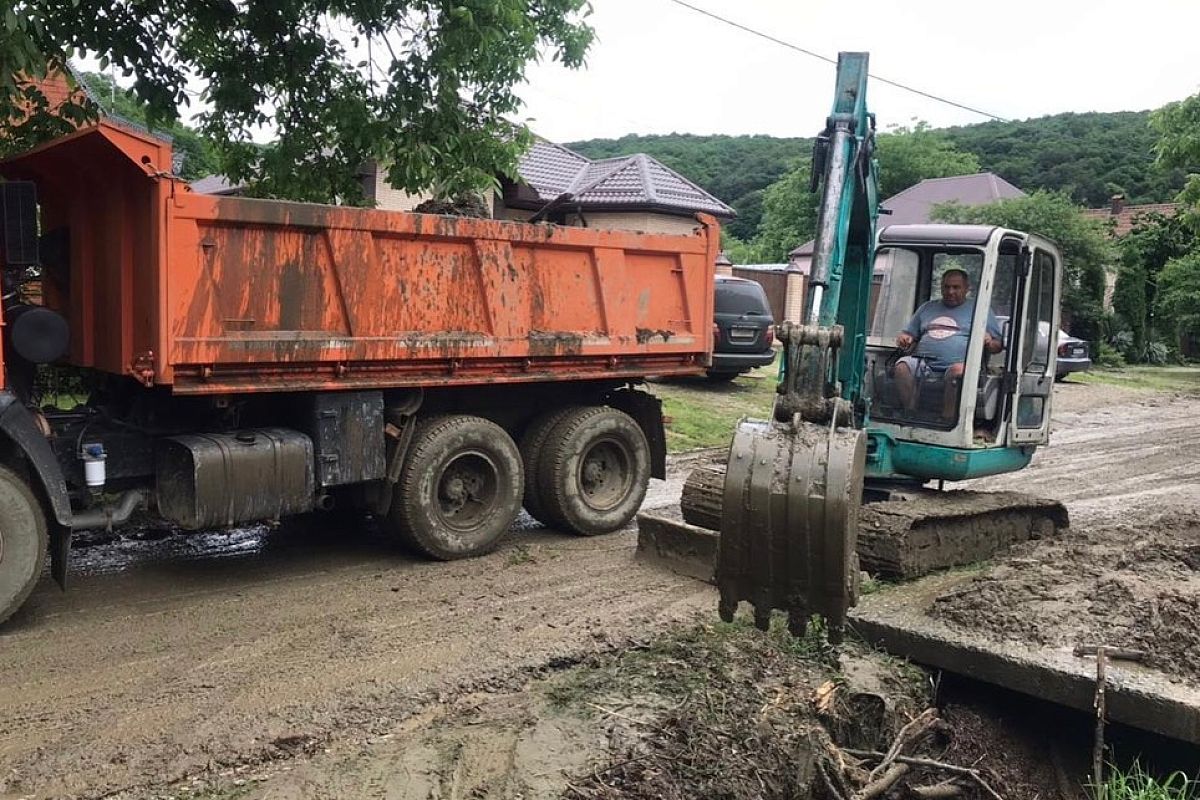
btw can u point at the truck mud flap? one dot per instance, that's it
(646, 410)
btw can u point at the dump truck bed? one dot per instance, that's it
(210, 294)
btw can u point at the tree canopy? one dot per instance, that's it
(789, 210)
(1084, 244)
(789, 216)
(1178, 127)
(432, 102)
(1090, 156)
(199, 157)
(908, 156)
(1177, 302)
(1154, 241)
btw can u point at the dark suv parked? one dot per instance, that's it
(742, 329)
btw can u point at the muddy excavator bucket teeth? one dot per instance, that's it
(789, 522)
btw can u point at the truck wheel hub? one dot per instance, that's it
(606, 474)
(467, 490)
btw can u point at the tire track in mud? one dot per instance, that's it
(1101, 461)
(170, 683)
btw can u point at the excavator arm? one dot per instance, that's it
(839, 281)
(793, 485)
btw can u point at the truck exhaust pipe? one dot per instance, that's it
(109, 516)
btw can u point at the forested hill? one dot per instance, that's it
(1091, 156)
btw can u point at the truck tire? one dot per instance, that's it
(459, 489)
(532, 445)
(594, 470)
(24, 542)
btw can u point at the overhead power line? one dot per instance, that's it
(827, 59)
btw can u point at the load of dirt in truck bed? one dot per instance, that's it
(1132, 582)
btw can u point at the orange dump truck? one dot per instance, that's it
(250, 359)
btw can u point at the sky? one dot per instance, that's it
(657, 67)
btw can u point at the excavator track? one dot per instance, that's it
(912, 533)
(919, 531)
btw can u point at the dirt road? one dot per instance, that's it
(181, 657)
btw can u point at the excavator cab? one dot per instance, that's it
(951, 408)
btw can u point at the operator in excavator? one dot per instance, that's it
(937, 338)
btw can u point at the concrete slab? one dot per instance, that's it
(895, 619)
(665, 539)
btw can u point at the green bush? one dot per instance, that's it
(1108, 356)
(1125, 342)
(1155, 353)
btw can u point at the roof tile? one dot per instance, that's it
(1126, 217)
(635, 181)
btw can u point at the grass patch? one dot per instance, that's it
(688, 661)
(705, 413)
(1159, 379)
(1137, 784)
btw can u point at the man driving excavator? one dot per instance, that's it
(941, 331)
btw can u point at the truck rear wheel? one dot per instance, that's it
(533, 445)
(460, 487)
(24, 542)
(594, 470)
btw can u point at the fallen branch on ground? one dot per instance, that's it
(912, 731)
(938, 791)
(880, 785)
(929, 763)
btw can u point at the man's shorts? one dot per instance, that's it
(919, 367)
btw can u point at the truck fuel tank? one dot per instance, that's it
(212, 480)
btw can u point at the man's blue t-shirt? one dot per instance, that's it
(942, 332)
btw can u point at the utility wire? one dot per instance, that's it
(829, 60)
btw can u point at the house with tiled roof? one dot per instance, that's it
(912, 206)
(1121, 218)
(632, 192)
(58, 87)
(559, 185)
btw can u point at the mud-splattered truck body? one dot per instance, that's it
(250, 359)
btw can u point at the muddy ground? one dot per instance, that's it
(318, 662)
(1127, 574)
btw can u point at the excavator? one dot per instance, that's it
(860, 422)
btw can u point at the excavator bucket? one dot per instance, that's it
(789, 522)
